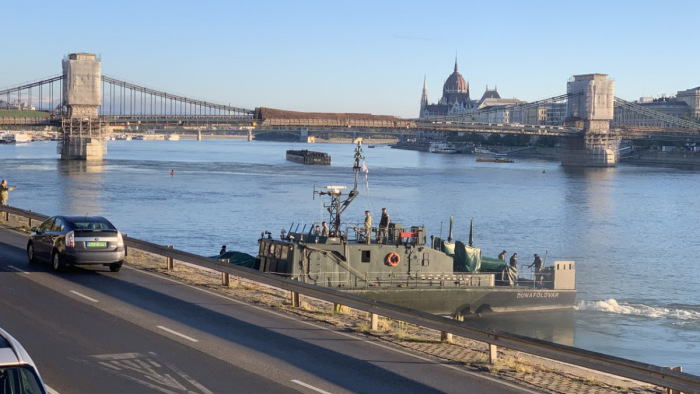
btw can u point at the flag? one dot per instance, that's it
(366, 171)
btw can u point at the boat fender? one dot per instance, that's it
(393, 259)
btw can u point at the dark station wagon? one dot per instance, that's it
(73, 240)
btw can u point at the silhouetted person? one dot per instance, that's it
(383, 226)
(223, 250)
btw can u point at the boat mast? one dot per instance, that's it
(337, 205)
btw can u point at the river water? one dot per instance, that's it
(631, 230)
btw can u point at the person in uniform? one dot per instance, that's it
(223, 250)
(514, 260)
(4, 189)
(324, 229)
(383, 226)
(538, 268)
(368, 226)
(502, 256)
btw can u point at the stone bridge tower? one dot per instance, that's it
(82, 129)
(591, 105)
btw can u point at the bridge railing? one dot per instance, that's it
(656, 375)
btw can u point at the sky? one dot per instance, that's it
(357, 56)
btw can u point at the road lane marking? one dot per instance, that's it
(84, 296)
(178, 334)
(308, 386)
(18, 269)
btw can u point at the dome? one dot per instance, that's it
(455, 83)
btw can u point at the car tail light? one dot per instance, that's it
(70, 240)
(120, 240)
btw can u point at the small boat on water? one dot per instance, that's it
(407, 268)
(485, 155)
(19, 137)
(494, 159)
(442, 147)
(172, 137)
(308, 157)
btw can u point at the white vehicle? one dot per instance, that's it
(18, 374)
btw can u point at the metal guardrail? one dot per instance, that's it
(656, 375)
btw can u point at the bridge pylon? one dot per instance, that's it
(591, 102)
(83, 137)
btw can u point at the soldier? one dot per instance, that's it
(514, 260)
(324, 229)
(538, 268)
(4, 189)
(223, 250)
(383, 226)
(502, 256)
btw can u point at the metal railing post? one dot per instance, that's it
(169, 261)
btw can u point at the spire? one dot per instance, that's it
(424, 97)
(455, 62)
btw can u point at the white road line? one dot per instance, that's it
(51, 390)
(178, 334)
(84, 296)
(308, 386)
(18, 269)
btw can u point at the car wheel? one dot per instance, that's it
(57, 263)
(115, 267)
(30, 254)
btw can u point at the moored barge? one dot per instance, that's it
(305, 156)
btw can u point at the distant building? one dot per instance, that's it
(685, 105)
(455, 101)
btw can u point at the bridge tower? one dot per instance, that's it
(82, 128)
(590, 104)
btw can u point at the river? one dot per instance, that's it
(631, 230)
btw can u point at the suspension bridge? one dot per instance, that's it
(85, 105)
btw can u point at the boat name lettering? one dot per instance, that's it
(538, 295)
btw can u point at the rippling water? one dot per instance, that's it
(631, 230)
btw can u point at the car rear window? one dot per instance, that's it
(92, 225)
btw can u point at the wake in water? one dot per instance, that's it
(612, 306)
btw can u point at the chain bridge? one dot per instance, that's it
(87, 106)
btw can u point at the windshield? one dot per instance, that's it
(20, 379)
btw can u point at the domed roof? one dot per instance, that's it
(455, 83)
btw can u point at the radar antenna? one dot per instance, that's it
(337, 204)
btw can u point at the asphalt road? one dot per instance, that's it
(90, 330)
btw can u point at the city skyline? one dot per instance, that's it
(357, 56)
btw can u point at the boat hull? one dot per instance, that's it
(477, 301)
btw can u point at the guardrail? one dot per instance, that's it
(656, 375)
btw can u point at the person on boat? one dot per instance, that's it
(4, 189)
(502, 256)
(324, 229)
(223, 250)
(368, 226)
(538, 268)
(383, 226)
(317, 230)
(514, 260)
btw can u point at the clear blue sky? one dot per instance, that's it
(357, 56)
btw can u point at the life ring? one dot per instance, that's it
(393, 259)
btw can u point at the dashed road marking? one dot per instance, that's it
(308, 386)
(84, 296)
(178, 334)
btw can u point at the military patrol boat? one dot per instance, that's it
(439, 277)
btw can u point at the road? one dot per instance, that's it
(90, 330)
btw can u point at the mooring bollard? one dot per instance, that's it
(169, 260)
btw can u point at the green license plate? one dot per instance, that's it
(97, 244)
